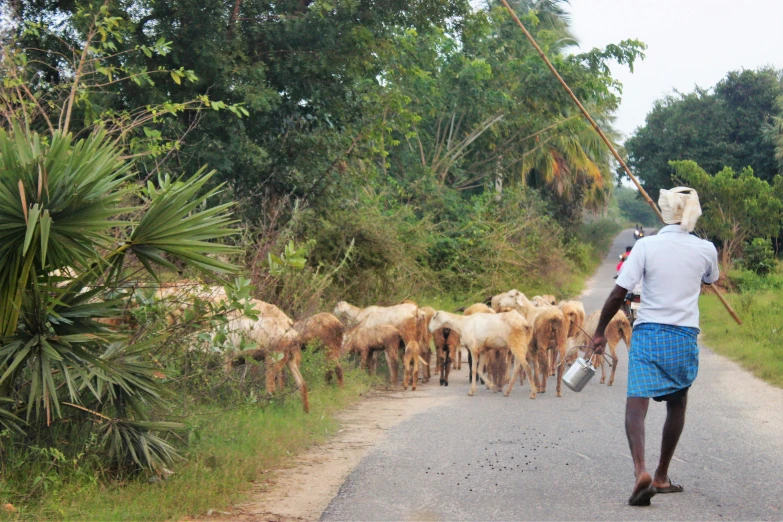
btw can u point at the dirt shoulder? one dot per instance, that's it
(303, 491)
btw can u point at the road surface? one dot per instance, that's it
(493, 458)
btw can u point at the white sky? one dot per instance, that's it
(690, 42)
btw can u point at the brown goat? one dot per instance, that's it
(574, 312)
(618, 329)
(364, 341)
(410, 365)
(447, 348)
(550, 333)
(278, 345)
(328, 331)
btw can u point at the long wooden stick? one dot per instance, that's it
(605, 139)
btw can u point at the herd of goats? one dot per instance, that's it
(507, 337)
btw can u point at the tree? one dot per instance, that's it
(66, 207)
(77, 231)
(736, 207)
(724, 126)
(634, 208)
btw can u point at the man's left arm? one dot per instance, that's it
(631, 274)
(713, 270)
(611, 306)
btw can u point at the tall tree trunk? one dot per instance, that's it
(499, 180)
(233, 18)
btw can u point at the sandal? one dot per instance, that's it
(671, 488)
(642, 493)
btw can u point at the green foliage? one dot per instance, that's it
(340, 93)
(64, 210)
(737, 207)
(749, 281)
(721, 127)
(380, 250)
(633, 208)
(758, 256)
(291, 259)
(229, 449)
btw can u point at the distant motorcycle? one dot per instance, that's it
(638, 233)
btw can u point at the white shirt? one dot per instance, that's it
(671, 266)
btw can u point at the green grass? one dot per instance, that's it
(758, 344)
(236, 448)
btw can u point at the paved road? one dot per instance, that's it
(493, 458)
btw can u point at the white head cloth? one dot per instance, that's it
(680, 205)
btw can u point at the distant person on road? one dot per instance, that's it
(623, 258)
(638, 232)
(664, 356)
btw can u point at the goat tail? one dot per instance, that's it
(626, 336)
(421, 325)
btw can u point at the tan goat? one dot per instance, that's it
(406, 317)
(278, 345)
(448, 346)
(364, 341)
(574, 312)
(544, 300)
(550, 334)
(618, 329)
(521, 303)
(410, 365)
(328, 331)
(483, 332)
(425, 350)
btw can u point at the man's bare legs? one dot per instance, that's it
(672, 429)
(635, 413)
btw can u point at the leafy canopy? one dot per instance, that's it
(736, 206)
(719, 127)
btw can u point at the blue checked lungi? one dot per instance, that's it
(663, 359)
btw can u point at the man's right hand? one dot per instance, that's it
(599, 342)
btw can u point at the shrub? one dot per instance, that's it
(73, 229)
(758, 256)
(748, 281)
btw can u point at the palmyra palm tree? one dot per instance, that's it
(71, 207)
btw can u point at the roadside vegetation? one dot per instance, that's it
(233, 448)
(758, 344)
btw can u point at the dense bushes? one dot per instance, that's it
(381, 248)
(758, 256)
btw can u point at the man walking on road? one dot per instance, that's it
(664, 358)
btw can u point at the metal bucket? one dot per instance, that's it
(580, 373)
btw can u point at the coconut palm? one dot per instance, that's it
(72, 221)
(572, 161)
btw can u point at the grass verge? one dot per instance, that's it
(756, 345)
(234, 449)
